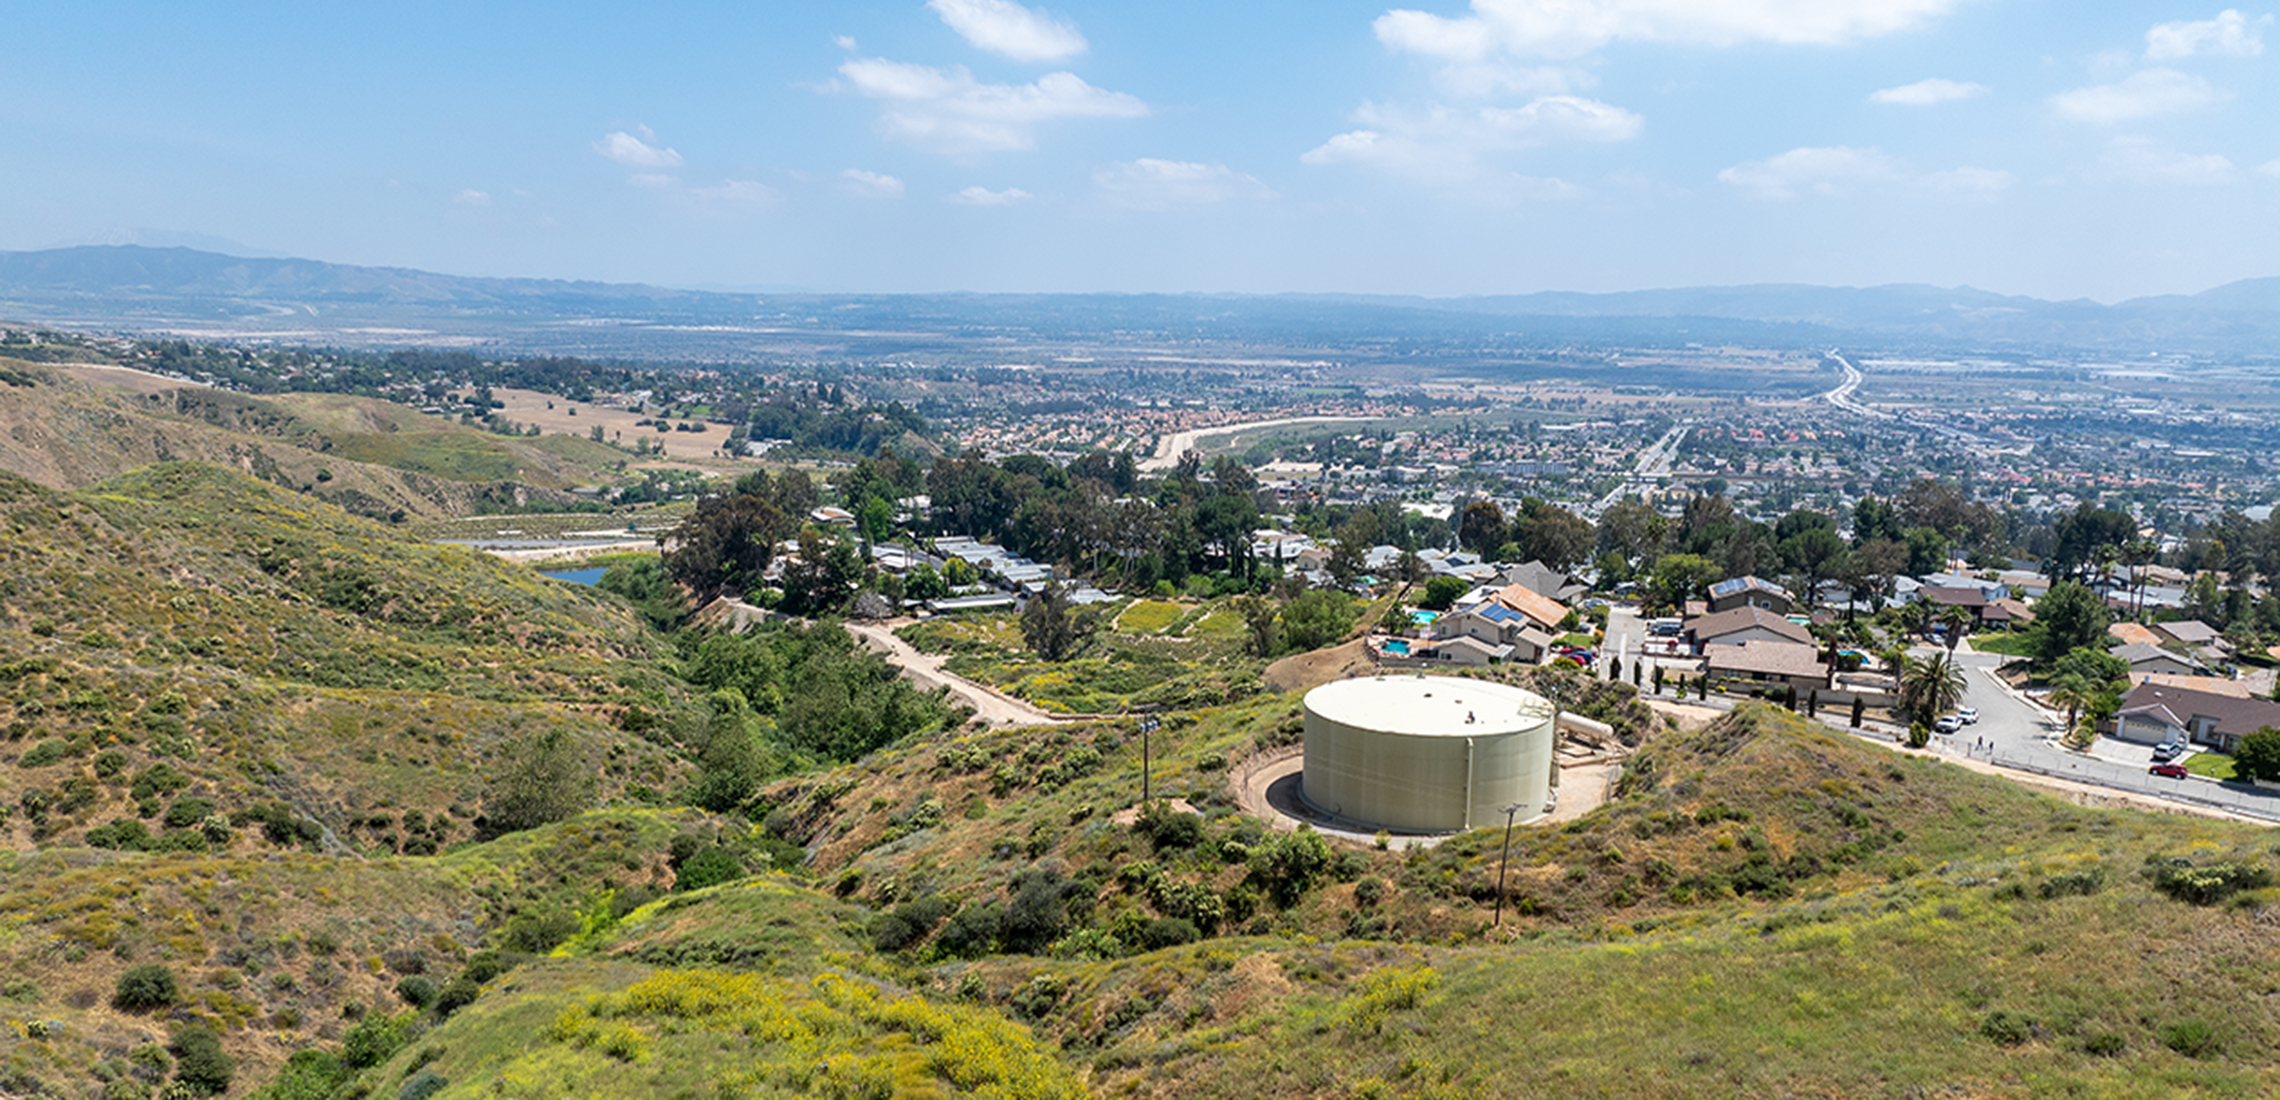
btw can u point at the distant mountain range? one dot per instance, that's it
(139, 288)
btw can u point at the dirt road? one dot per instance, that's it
(925, 669)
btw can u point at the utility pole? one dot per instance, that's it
(1147, 726)
(1504, 863)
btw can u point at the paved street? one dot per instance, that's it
(1627, 641)
(2014, 733)
(2011, 732)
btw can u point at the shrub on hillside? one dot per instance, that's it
(1167, 829)
(2210, 884)
(200, 1063)
(709, 867)
(145, 987)
(417, 990)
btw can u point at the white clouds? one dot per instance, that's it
(1927, 93)
(871, 185)
(1572, 28)
(1446, 143)
(947, 110)
(2142, 95)
(736, 193)
(1151, 184)
(652, 180)
(1826, 171)
(2142, 160)
(2270, 168)
(978, 195)
(1840, 169)
(633, 152)
(2230, 34)
(471, 197)
(1004, 27)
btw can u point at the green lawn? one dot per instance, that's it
(2009, 644)
(2215, 765)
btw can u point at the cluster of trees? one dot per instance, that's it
(1536, 531)
(1912, 534)
(1089, 514)
(787, 695)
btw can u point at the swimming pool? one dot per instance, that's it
(1397, 646)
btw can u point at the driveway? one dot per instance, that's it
(1627, 640)
(925, 669)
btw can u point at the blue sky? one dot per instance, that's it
(2062, 150)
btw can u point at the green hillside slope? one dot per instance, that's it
(185, 638)
(371, 457)
(1992, 942)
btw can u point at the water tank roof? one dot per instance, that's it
(1429, 706)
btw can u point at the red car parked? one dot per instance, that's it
(2168, 771)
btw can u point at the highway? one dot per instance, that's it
(1842, 396)
(1654, 462)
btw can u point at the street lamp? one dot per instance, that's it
(1504, 862)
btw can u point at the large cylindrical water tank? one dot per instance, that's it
(1426, 753)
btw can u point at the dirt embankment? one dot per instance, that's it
(1314, 668)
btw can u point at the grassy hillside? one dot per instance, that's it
(371, 457)
(1992, 943)
(186, 642)
(278, 951)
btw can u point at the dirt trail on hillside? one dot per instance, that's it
(925, 669)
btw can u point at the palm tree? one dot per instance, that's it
(1956, 619)
(1916, 616)
(2073, 692)
(1931, 686)
(2141, 552)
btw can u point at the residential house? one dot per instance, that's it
(1496, 624)
(1464, 652)
(2024, 583)
(2198, 636)
(1743, 625)
(1268, 544)
(1543, 580)
(2213, 685)
(1775, 663)
(1734, 592)
(2149, 658)
(2153, 713)
(1970, 598)
(2007, 614)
